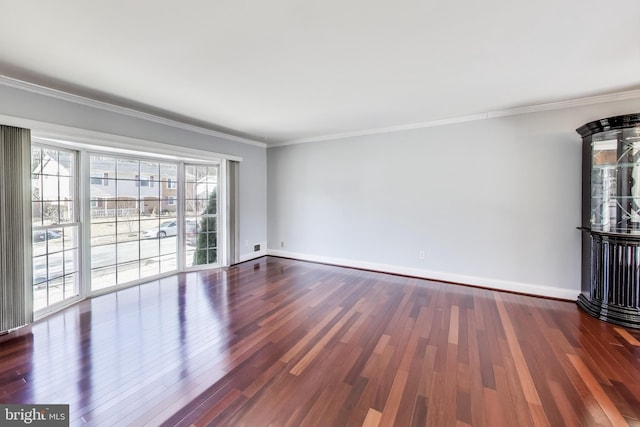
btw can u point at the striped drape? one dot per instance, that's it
(16, 293)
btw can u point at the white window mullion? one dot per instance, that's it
(180, 210)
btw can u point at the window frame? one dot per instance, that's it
(139, 178)
(75, 224)
(221, 252)
(85, 143)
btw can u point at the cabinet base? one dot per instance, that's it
(624, 316)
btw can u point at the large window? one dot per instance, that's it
(133, 220)
(106, 220)
(201, 214)
(55, 226)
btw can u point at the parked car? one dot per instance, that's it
(167, 228)
(42, 235)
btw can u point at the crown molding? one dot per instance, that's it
(432, 123)
(88, 102)
(571, 103)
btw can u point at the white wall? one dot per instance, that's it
(493, 202)
(25, 105)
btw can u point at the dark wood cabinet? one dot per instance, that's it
(611, 219)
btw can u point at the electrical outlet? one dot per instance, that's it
(421, 254)
(256, 248)
(282, 244)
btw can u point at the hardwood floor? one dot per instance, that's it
(278, 342)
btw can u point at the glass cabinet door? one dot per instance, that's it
(615, 182)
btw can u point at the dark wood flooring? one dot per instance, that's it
(278, 342)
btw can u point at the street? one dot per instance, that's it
(102, 256)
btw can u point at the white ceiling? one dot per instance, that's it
(284, 70)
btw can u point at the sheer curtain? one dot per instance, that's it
(16, 292)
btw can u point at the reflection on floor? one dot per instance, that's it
(283, 342)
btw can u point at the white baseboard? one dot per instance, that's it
(252, 255)
(497, 284)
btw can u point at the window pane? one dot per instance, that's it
(49, 162)
(56, 266)
(190, 173)
(168, 171)
(149, 267)
(55, 240)
(55, 253)
(56, 290)
(167, 263)
(128, 228)
(127, 190)
(70, 236)
(128, 272)
(192, 226)
(168, 245)
(36, 186)
(150, 169)
(40, 296)
(208, 224)
(150, 205)
(103, 256)
(127, 169)
(36, 213)
(66, 163)
(128, 251)
(152, 229)
(191, 207)
(189, 255)
(49, 188)
(40, 270)
(67, 195)
(100, 165)
(150, 248)
(204, 256)
(103, 233)
(39, 243)
(100, 213)
(70, 261)
(134, 220)
(104, 277)
(36, 159)
(70, 286)
(201, 207)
